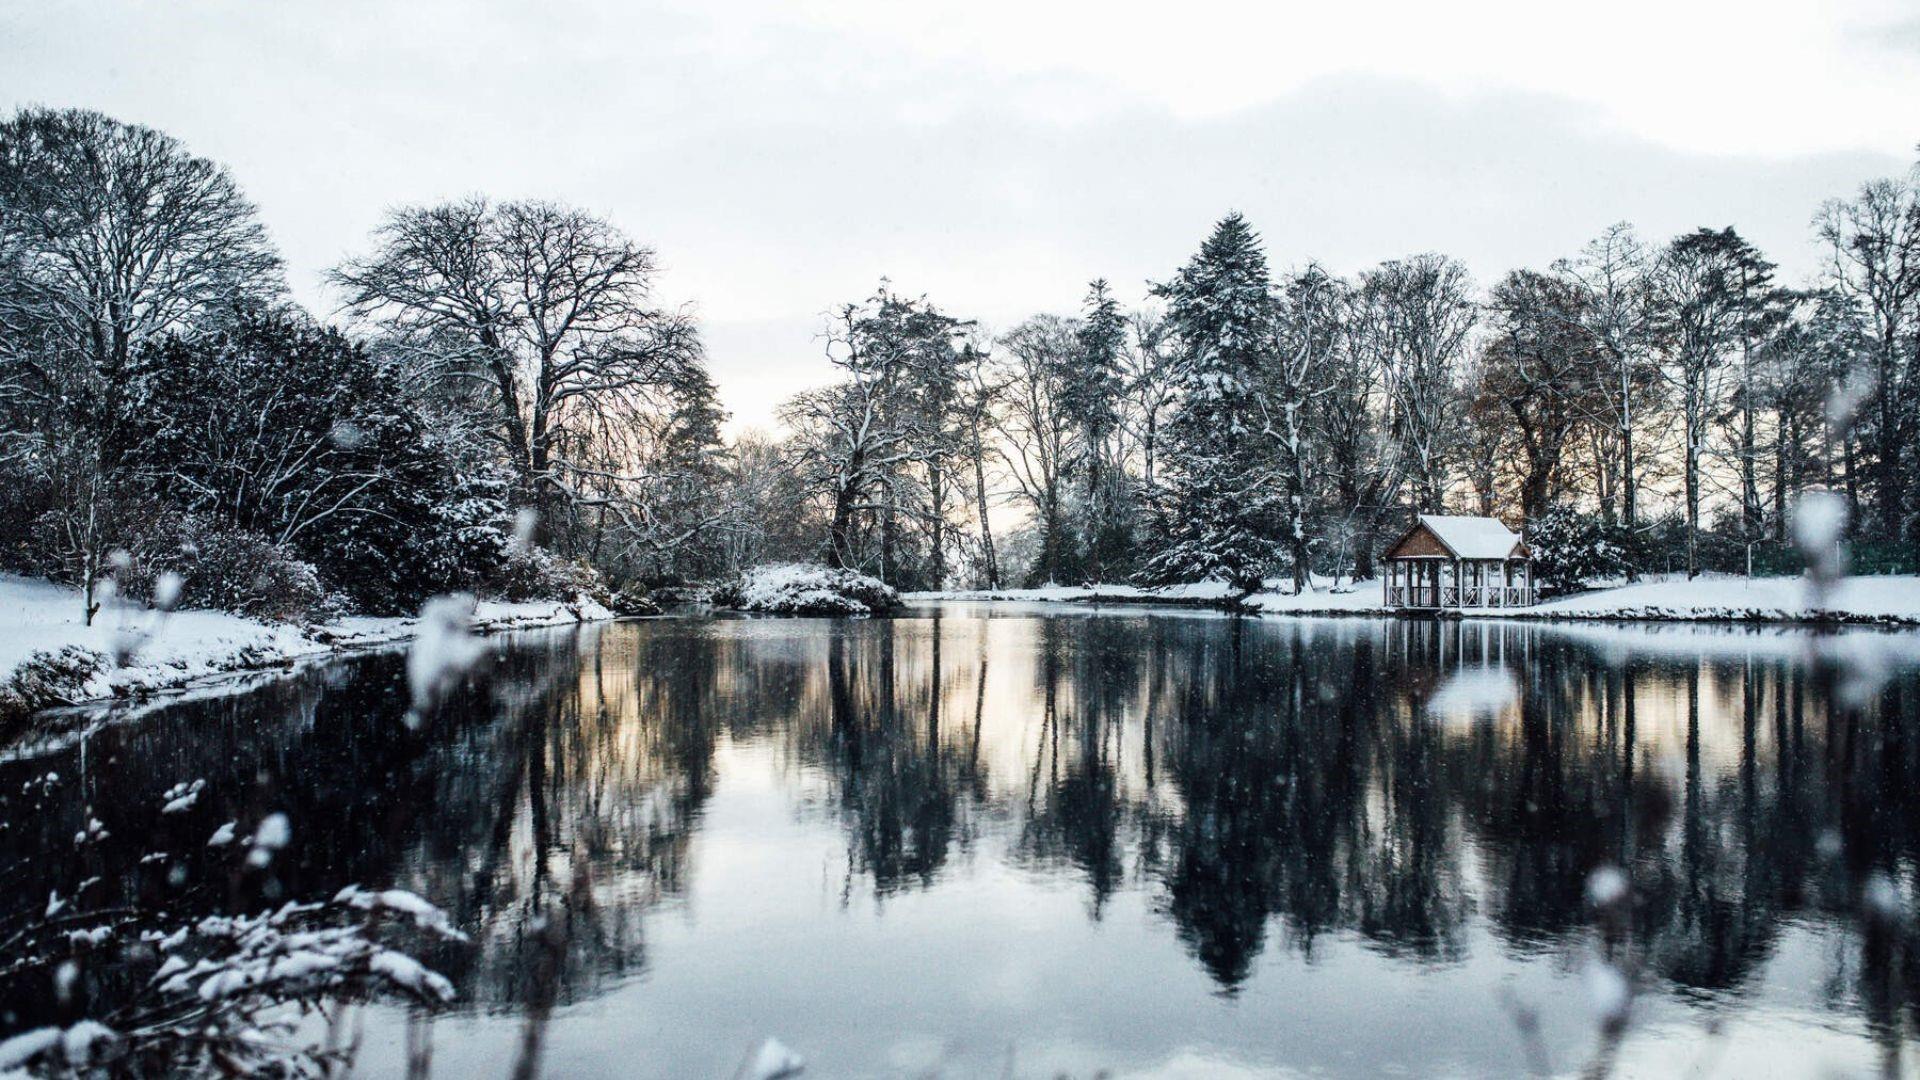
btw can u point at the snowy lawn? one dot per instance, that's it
(1711, 598)
(39, 617)
(1889, 599)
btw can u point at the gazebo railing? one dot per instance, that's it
(1461, 595)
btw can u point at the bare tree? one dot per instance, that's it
(1416, 314)
(1039, 437)
(1542, 369)
(1309, 311)
(1873, 242)
(544, 313)
(1696, 323)
(1366, 466)
(1612, 268)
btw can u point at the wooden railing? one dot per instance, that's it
(1459, 596)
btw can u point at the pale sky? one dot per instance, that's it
(997, 154)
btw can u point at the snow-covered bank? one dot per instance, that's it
(1889, 600)
(40, 621)
(804, 589)
(1893, 599)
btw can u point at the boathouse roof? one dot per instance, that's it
(1459, 537)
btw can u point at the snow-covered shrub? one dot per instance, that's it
(225, 569)
(633, 600)
(47, 679)
(807, 590)
(1571, 549)
(224, 983)
(287, 430)
(534, 573)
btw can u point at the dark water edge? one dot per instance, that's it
(1151, 842)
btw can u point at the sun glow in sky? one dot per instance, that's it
(997, 154)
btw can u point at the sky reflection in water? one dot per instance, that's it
(1158, 843)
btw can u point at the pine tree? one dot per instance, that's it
(1218, 516)
(1092, 399)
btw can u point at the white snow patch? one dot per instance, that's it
(195, 645)
(774, 1060)
(1888, 599)
(27, 1045)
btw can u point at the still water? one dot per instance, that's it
(1033, 840)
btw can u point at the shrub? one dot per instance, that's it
(633, 600)
(538, 574)
(225, 569)
(46, 679)
(1571, 549)
(807, 590)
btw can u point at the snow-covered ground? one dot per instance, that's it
(38, 616)
(1711, 598)
(1889, 599)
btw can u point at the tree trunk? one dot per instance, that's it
(986, 527)
(1693, 499)
(936, 491)
(889, 527)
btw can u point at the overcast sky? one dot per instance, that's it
(997, 154)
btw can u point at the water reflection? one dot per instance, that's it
(1270, 795)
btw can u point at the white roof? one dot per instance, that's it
(1472, 537)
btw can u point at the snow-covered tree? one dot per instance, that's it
(1698, 318)
(1219, 504)
(1414, 315)
(288, 432)
(1873, 244)
(1093, 399)
(111, 235)
(542, 316)
(1300, 372)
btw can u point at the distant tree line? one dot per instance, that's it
(1658, 407)
(505, 407)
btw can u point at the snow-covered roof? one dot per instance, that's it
(1472, 537)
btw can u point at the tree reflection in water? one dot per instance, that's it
(1269, 785)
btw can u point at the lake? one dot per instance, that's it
(1031, 840)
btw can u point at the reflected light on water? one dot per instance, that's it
(978, 840)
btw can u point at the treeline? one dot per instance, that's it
(505, 409)
(1642, 407)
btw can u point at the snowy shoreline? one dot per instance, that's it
(192, 648)
(1892, 600)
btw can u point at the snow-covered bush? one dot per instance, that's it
(46, 679)
(1571, 549)
(225, 569)
(807, 590)
(633, 600)
(224, 983)
(534, 573)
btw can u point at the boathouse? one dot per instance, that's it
(1456, 563)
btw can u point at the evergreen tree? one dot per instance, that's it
(286, 432)
(1092, 399)
(1218, 513)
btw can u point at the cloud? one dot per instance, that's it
(995, 158)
